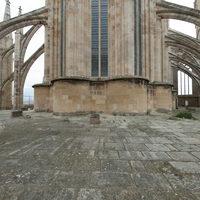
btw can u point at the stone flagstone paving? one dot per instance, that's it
(124, 158)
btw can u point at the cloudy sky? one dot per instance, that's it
(36, 73)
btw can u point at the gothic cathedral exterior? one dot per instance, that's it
(105, 56)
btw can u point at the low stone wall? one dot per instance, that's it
(193, 101)
(130, 95)
(41, 98)
(161, 97)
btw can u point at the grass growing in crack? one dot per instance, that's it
(184, 115)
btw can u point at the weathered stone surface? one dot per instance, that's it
(16, 113)
(95, 119)
(136, 34)
(182, 156)
(47, 157)
(91, 194)
(186, 167)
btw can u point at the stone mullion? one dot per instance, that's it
(75, 61)
(1, 69)
(63, 38)
(51, 24)
(110, 38)
(99, 75)
(129, 38)
(143, 28)
(104, 38)
(1, 81)
(138, 39)
(117, 38)
(46, 77)
(88, 21)
(167, 76)
(81, 31)
(146, 52)
(152, 22)
(159, 51)
(123, 31)
(56, 42)
(48, 28)
(135, 40)
(95, 39)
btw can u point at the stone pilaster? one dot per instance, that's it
(17, 68)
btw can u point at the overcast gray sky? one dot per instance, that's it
(35, 75)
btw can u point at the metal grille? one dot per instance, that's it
(138, 37)
(95, 38)
(184, 83)
(104, 38)
(99, 45)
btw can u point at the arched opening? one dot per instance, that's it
(36, 41)
(183, 23)
(188, 3)
(188, 90)
(36, 70)
(184, 83)
(183, 27)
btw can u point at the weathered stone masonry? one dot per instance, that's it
(132, 56)
(107, 55)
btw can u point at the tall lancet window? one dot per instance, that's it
(99, 38)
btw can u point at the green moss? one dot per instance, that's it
(185, 115)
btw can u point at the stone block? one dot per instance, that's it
(186, 167)
(182, 156)
(95, 119)
(16, 113)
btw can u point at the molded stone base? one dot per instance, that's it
(122, 95)
(42, 98)
(161, 98)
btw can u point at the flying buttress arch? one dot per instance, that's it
(167, 10)
(25, 69)
(36, 17)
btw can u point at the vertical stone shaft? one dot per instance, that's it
(5, 65)
(197, 6)
(7, 11)
(17, 68)
(16, 102)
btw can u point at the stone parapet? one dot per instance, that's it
(160, 97)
